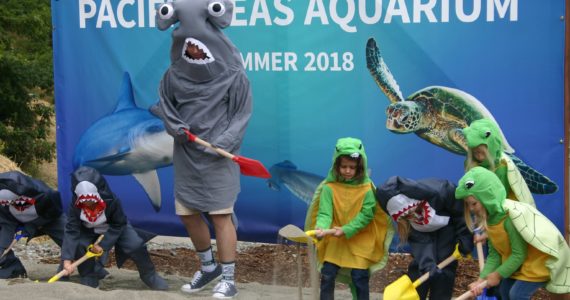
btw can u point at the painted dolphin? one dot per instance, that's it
(302, 184)
(130, 141)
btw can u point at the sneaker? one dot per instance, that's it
(201, 279)
(224, 290)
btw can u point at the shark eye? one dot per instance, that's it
(166, 11)
(216, 9)
(469, 184)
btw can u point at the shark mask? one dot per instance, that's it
(421, 215)
(89, 200)
(7, 197)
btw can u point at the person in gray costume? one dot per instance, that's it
(26, 203)
(205, 91)
(96, 210)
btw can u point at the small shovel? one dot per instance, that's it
(76, 263)
(481, 258)
(247, 166)
(296, 234)
(404, 289)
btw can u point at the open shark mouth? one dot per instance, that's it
(92, 205)
(23, 203)
(195, 52)
(416, 211)
(7, 197)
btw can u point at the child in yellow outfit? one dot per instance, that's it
(345, 202)
(526, 251)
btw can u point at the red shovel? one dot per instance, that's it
(247, 166)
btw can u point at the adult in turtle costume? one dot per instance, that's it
(485, 133)
(438, 114)
(525, 249)
(349, 204)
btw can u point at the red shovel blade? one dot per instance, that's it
(251, 167)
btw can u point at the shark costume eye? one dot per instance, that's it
(166, 11)
(469, 184)
(216, 9)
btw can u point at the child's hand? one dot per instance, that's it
(493, 279)
(338, 231)
(475, 289)
(68, 267)
(319, 234)
(96, 249)
(480, 238)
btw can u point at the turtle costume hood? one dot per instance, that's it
(485, 132)
(354, 148)
(486, 187)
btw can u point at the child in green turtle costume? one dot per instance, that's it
(345, 201)
(486, 150)
(526, 251)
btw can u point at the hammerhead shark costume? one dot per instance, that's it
(205, 90)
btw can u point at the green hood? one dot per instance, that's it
(485, 131)
(349, 146)
(487, 188)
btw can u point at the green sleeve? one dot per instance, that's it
(363, 218)
(325, 214)
(493, 261)
(515, 260)
(501, 172)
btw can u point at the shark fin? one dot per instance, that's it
(126, 98)
(287, 164)
(151, 185)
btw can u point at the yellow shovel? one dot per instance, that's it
(85, 257)
(296, 234)
(404, 289)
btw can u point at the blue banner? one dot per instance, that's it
(310, 63)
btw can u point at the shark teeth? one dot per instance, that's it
(195, 52)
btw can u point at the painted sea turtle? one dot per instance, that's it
(437, 114)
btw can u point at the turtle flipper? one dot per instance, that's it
(380, 72)
(458, 138)
(537, 182)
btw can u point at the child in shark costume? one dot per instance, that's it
(345, 201)
(431, 220)
(205, 91)
(96, 210)
(526, 251)
(486, 150)
(27, 202)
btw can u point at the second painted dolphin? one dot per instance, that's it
(302, 184)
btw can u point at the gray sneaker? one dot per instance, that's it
(224, 290)
(201, 279)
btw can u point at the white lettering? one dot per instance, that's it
(445, 11)
(260, 11)
(426, 8)
(461, 12)
(343, 22)
(289, 14)
(377, 12)
(393, 11)
(502, 9)
(83, 14)
(106, 17)
(238, 10)
(120, 8)
(319, 13)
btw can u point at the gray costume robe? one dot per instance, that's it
(206, 91)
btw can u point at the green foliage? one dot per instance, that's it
(26, 81)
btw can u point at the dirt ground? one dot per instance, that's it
(270, 264)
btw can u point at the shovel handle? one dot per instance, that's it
(312, 233)
(468, 294)
(480, 256)
(9, 247)
(200, 141)
(441, 265)
(76, 263)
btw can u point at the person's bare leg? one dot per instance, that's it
(197, 230)
(226, 237)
